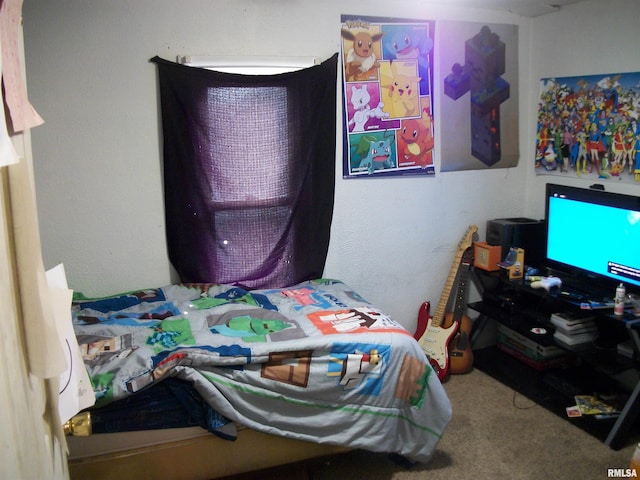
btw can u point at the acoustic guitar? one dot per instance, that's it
(460, 353)
(433, 337)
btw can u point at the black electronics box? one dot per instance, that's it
(525, 233)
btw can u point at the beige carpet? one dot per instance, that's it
(494, 434)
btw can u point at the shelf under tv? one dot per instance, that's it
(528, 359)
(552, 389)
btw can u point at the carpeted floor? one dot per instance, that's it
(494, 434)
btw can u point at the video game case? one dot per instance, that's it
(577, 330)
(572, 320)
(573, 316)
(572, 340)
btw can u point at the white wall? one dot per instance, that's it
(98, 155)
(593, 37)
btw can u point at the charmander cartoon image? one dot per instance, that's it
(415, 140)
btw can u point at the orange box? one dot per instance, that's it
(486, 257)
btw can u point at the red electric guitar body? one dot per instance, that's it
(433, 336)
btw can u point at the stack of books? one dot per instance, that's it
(574, 329)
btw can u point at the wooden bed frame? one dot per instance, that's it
(192, 454)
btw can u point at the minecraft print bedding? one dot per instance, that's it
(313, 362)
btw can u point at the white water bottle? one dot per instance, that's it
(618, 304)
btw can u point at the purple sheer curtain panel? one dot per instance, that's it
(249, 172)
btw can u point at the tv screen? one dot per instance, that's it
(593, 235)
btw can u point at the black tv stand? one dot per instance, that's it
(591, 289)
(594, 369)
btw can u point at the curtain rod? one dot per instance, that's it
(229, 62)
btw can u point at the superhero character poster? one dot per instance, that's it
(587, 127)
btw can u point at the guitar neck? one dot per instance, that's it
(465, 243)
(438, 316)
(461, 294)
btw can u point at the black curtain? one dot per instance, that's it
(249, 172)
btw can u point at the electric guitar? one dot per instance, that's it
(460, 353)
(432, 336)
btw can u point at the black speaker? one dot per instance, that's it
(525, 233)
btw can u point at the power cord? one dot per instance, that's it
(528, 407)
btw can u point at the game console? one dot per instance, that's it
(547, 283)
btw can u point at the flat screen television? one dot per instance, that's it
(593, 237)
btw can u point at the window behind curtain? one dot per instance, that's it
(249, 165)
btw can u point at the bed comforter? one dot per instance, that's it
(313, 362)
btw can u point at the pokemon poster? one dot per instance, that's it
(588, 127)
(387, 96)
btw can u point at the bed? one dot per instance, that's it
(266, 376)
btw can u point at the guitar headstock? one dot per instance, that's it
(464, 247)
(467, 239)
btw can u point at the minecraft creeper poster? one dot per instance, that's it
(479, 95)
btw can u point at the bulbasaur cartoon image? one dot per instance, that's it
(378, 157)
